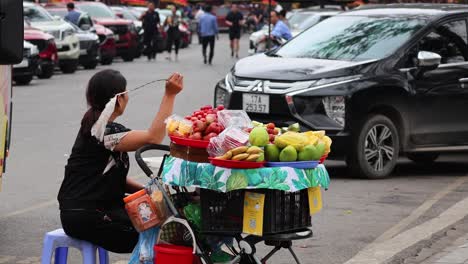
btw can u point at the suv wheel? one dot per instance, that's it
(423, 158)
(23, 80)
(375, 148)
(46, 72)
(69, 67)
(128, 57)
(107, 60)
(90, 65)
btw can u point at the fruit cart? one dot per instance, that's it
(240, 195)
(222, 201)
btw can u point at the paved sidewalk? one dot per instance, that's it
(455, 254)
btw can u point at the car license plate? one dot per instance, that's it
(116, 37)
(83, 52)
(23, 64)
(256, 103)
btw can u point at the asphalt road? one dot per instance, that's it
(47, 115)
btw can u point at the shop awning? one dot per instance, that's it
(176, 2)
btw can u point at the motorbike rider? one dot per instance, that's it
(280, 29)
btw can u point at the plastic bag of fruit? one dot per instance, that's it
(234, 118)
(230, 138)
(178, 126)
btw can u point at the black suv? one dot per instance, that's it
(382, 81)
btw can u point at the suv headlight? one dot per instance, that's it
(222, 94)
(335, 108)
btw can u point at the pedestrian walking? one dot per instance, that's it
(171, 25)
(198, 16)
(72, 16)
(151, 24)
(235, 21)
(208, 32)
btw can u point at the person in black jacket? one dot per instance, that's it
(151, 23)
(95, 182)
(173, 33)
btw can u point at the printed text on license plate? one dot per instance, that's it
(256, 103)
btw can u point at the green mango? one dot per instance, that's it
(307, 153)
(294, 127)
(272, 152)
(320, 150)
(288, 154)
(259, 137)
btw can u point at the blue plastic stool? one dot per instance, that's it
(57, 240)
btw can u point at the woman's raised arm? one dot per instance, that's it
(155, 134)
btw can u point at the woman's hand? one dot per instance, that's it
(174, 84)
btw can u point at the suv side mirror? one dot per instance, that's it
(85, 27)
(11, 32)
(428, 61)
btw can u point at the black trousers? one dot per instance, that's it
(208, 40)
(109, 229)
(150, 41)
(173, 41)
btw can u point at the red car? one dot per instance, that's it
(47, 50)
(221, 13)
(126, 37)
(107, 48)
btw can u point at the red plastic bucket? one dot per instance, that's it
(168, 254)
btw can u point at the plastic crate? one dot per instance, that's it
(222, 213)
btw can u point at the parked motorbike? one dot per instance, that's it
(259, 45)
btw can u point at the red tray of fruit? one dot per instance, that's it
(190, 142)
(323, 158)
(236, 164)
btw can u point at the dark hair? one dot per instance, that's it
(208, 8)
(101, 88)
(276, 12)
(283, 12)
(71, 5)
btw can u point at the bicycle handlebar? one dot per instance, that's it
(145, 148)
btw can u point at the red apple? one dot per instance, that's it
(270, 131)
(188, 117)
(207, 107)
(220, 107)
(203, 119)
(193, 119)
(196, 136)
(210, 118)
(199, 126)
(270, 126)
(209, 136)
(272, 137)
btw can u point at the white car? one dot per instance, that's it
(68, 44)
(24, 71)
(298, 22)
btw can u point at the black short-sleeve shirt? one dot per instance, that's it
(235, 19)
(150, 22)
(95, 175)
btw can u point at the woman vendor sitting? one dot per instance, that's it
(95, 183)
